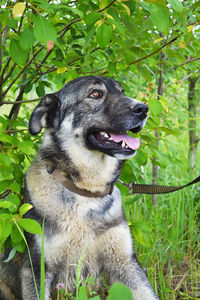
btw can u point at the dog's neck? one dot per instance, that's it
(89, 170)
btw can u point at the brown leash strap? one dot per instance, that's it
(134, 188)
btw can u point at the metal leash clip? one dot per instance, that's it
(131, 187)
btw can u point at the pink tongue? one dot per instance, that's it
(132, 143)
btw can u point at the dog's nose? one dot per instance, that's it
(140, 111)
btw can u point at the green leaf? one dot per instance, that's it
(119, 291)
(10, 256)
(20, 247)
(142, 233)
(155, 107)
(43, 30)
(14, 199)
(141, 157)
(27, 147)
(8, 139)
(159, 16)
(6, 204)
(4, 17)
(18, 54)
(15, 187)
(177, 5)
(30, 225)
(4, 185)
(5, 161)
(91, 18)
(89, 36)
(127, 172)
(40, 90)
(103, 35)
(82, 293)
(24, 208)
(5, 217)
(27, 38)
(6, 230)
(16, 236)
(3, 124)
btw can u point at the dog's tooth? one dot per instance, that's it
(123, 144)
(102, 133)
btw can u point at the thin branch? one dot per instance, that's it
(6, 66)
(150, 70)
(156, 51)
(185, 63)
(20, 24)
(25, 101)
(1, 49)
(9, 73)
(183, 79)
(15, 130)
(64, 30)
(111, 3)
(22, 71)
(93, 72)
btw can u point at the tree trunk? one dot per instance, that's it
(160, 92)
(192, 109)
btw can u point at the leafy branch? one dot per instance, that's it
(155, 51)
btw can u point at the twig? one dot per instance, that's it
(6, 66)
(22, 71)
(111, 3)
(9, 73)
(183, 79)
(156, 51)
(185, 63)
(15, 130)
(20, 24)
(149, 70)
(25, 101)
(64, 30)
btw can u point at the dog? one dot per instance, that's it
(71, 186)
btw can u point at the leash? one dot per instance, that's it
(134, 188)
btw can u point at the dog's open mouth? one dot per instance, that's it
(114, 143)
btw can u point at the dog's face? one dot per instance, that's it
(94, 113)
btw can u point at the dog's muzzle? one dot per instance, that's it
(120, 143)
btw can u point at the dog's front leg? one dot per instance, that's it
(128, 271)
(28, 286)
(121, 263)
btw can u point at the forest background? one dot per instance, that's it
(152, 48)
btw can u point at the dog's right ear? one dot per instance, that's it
(46, 114)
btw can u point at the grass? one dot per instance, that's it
(173, 259)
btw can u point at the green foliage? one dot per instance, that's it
(148, 46)
(117, 291)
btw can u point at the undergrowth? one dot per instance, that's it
(168, 240)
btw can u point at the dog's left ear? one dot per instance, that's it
(46, 114)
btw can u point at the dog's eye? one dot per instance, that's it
(96, 94)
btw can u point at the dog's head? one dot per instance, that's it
(94, 113)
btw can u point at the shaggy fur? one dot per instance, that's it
(75, 225)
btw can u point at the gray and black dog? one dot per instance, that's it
(71, 185)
